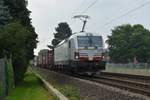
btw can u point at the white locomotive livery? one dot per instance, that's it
(82, 52)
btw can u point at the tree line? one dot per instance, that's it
(129, 43)
(17, 35)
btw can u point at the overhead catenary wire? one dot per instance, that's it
(76, 10)
(91, 5)
(84, 11)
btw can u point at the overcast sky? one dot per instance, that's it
(46, 14)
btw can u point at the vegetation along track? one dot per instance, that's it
(134, 83)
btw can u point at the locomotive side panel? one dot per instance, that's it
(61, 54)
(73, 49)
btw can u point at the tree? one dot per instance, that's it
(14, 41)
(18, 10)
(17, 38)
(63, 31)
(4, 14)
(128, 42)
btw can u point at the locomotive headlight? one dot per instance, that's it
(76, 55)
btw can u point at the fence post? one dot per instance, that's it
(3, 84)
(6, 76)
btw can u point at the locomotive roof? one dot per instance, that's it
(78, 34)
(84, 34)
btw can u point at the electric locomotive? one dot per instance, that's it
(82, 52)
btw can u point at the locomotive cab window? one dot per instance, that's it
(89, 41)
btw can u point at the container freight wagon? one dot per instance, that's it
(82, 52)
(45, 58)
(35, 61)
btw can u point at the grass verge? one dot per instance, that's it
(30, 89)
(60, 83)
(69, 91)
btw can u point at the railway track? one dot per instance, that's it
(134, 83)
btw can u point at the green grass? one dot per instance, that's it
(135, 71)
(69, 91)
(30, 89)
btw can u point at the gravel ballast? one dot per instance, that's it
(90, 90)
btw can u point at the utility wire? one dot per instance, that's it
(127, 13)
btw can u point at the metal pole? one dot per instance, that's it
(84, 19)
(84, 23)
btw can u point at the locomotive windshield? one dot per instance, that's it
(89, 41)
